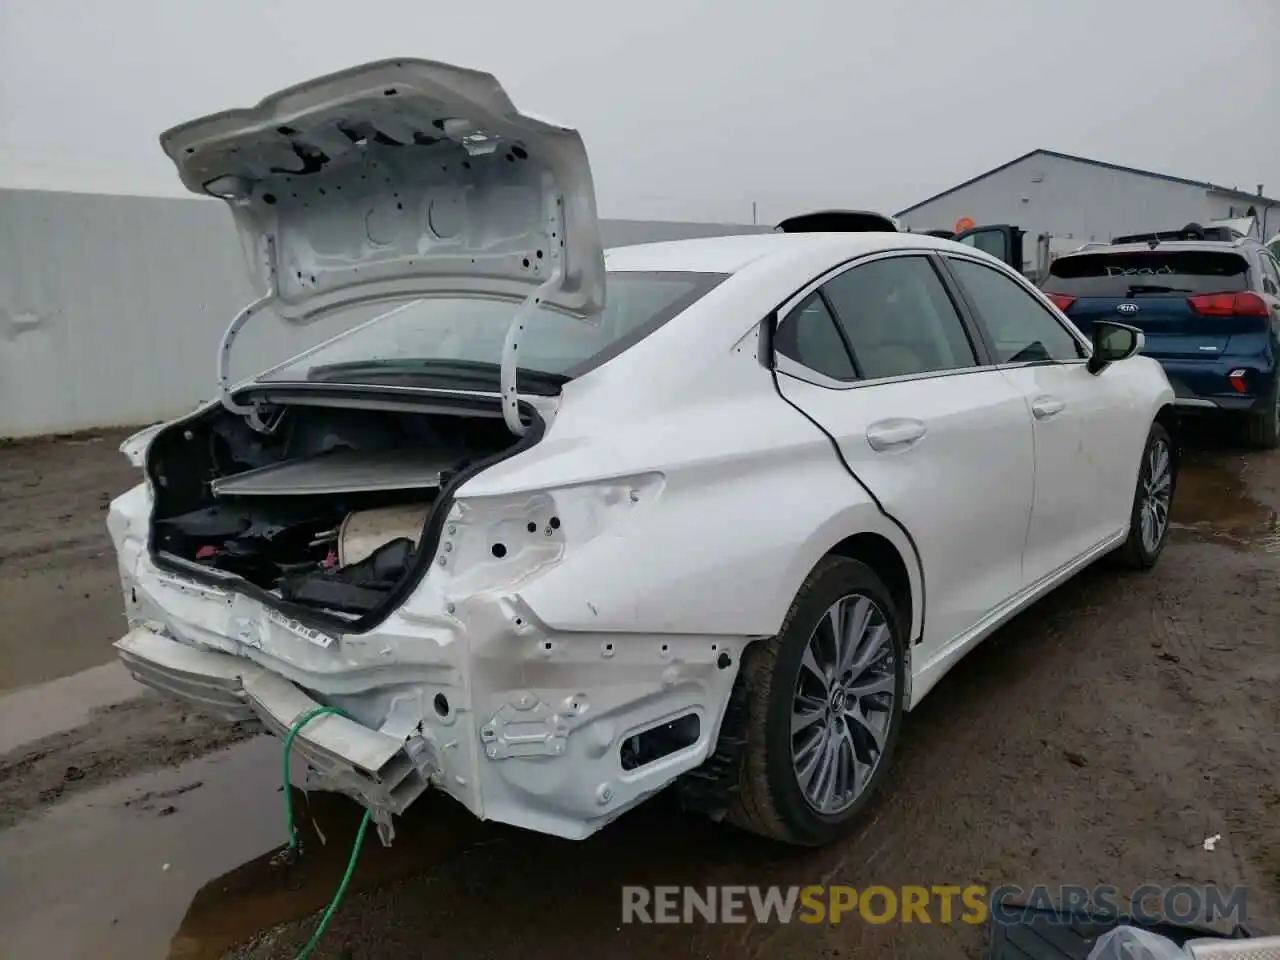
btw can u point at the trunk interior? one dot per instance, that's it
(330, 515)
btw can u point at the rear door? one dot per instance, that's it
(1002, 241)
(1087, 442)
(879, 356)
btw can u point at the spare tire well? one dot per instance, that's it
(883, 557)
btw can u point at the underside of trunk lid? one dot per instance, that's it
(400, 178)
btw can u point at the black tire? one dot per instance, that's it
(770, 801)
(1262, 429)
(1135, 553)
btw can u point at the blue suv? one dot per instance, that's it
(1210, 310)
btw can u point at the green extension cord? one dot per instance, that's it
(293, 832)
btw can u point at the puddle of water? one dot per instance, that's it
(29, 713)
(177, 863)
(89, 878)
(257, 895)
(1213, 503)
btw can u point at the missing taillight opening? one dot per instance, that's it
(661, 741)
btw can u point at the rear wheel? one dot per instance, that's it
(1262, 430)
(1152, 502)
(825, 701)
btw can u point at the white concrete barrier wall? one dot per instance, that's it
(111, 307)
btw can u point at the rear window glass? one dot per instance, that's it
(408, 345)
(1116, 274)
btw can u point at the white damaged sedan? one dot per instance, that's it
(567, 527)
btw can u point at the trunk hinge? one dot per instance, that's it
(510, 350)
(251, 413)
(515, 333)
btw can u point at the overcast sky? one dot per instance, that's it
(692, 109)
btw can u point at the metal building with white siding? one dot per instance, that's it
(1067, 196)
(112, 304)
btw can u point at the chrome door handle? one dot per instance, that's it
(1042, 408)
(894, 434)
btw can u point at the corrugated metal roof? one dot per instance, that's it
(1202, 184)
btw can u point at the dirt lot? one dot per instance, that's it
(1099, 738)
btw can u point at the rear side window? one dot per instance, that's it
(899, 319)
(809, 337)
(1130, 273)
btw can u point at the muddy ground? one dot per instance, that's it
(1101, 737)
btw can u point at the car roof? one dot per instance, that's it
(731, 254)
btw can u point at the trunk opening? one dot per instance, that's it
(332, 518)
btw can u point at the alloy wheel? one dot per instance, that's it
(842, 704)
(1157, 491)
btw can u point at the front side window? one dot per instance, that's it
(1022, 329)
(898, 318)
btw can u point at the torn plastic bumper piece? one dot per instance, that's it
(370, 766)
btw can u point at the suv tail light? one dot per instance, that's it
(1062, 301)
(1229, 305)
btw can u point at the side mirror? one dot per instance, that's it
(1113, 342)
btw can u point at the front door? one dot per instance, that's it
(879, 356)
(1086, 459)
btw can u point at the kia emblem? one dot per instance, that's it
(1128, 309)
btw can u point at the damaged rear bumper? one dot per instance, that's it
(464, 689)
(521, 725)
(342, 754)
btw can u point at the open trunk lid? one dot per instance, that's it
(400, 178)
